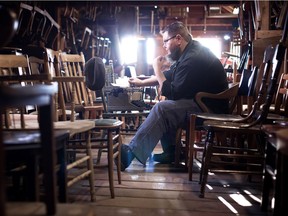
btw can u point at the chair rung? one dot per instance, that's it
(79, 177)
(236, 149)
(238, 155)
(234, 163)
(115, 154)
(76, 163)
(237, 171)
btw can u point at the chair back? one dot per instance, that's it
(247, 82)
(15, 69)
(281, 99)
(245, 58)
(72, 65)
(51, 67)
(277, 61)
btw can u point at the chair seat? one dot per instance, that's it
(78, 126)
(107, 122)
(219, 125)
(21, 139)
(219, 117)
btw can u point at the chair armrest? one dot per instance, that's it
(229, 94)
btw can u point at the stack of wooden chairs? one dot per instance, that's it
(78, 126)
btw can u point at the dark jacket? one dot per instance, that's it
(197, 70)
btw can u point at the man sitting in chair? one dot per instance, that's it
(194, 69)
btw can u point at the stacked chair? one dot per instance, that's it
(237, 142)
(30, 149)
(16, 69)
(106, 134)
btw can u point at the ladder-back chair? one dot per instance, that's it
(40, 140)
(109, 137)
(18, 89)
(83, 127)
(80, 130)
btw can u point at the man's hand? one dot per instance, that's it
(158, 63)
(135, 81)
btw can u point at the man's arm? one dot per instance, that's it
(151, 81)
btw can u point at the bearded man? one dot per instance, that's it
(194, 68)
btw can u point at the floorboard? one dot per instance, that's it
(159, 189)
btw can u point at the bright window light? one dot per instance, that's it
(129, 46)
(228, 205)
(240, 199)
(226, 37)
(252, 196)
(128, 50)
(214, 44)
(150, 50)
(236, 10)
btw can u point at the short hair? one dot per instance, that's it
(178, 28)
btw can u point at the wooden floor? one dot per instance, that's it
(159, 189)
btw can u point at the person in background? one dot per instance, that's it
(194, 68)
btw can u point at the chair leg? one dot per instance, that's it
(205, 163)
(119, 156)
(178, 147)
(267, 183)
(62, 175)
(90, 165)
(114, 142)
(110, 163)
(190, 144)
(99, 154)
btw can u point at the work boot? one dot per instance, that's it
(164, 158)
(126, 157)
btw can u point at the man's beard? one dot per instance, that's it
(175, 54)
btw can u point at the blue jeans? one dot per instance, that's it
(161, 123)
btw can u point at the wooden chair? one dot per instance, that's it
(73, 86)
(236, 94)
(72, 65)
(18, 69)
(229, 94)
(79, 136)
(268, 55)
(244, 152)
(23, 140)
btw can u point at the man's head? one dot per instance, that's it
(175, 38)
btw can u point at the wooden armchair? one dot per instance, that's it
(229, 94)
(241, 150)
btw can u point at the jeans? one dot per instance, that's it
(161, 124)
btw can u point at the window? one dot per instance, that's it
(214, 44)
(129, 46)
